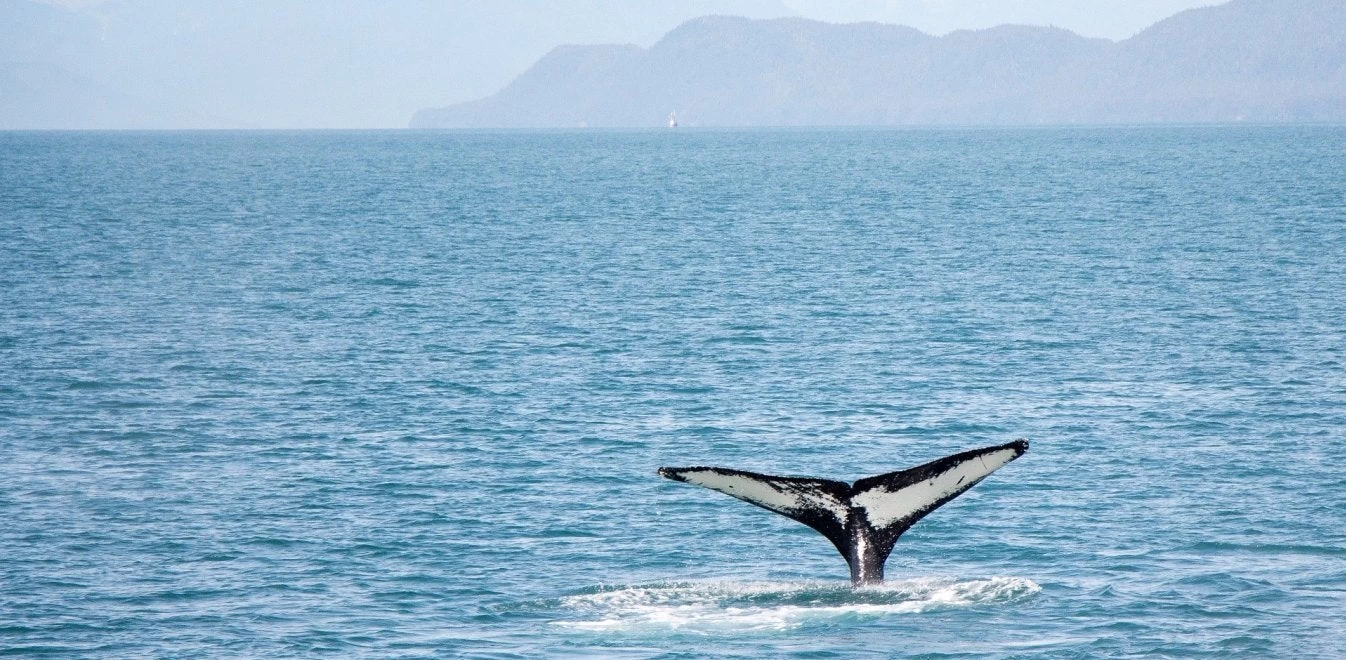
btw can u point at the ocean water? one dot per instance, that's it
(404, 394)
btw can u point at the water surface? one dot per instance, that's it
(404, 393)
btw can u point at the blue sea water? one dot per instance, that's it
(398, 393)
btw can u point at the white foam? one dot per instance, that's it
(712, 607)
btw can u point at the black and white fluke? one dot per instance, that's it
(864, 519)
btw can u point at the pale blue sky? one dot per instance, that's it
(1112, 19)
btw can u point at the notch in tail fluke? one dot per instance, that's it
(863, 520)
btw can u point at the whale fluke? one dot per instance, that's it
(864, 519)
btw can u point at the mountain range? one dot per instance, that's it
(1246, 60)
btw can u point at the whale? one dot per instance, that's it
(863, 519)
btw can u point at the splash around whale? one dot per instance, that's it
(863, 520)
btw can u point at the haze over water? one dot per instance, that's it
(404, 393)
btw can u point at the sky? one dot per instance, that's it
(373, 63)
(1111, 19)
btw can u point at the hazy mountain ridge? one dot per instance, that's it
(294, 63)
(1256, 60)
(45, 96)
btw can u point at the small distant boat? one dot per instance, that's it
(673, 119)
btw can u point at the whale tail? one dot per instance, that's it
(863, 520)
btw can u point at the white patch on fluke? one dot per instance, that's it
(885, 507)
(779, 496)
